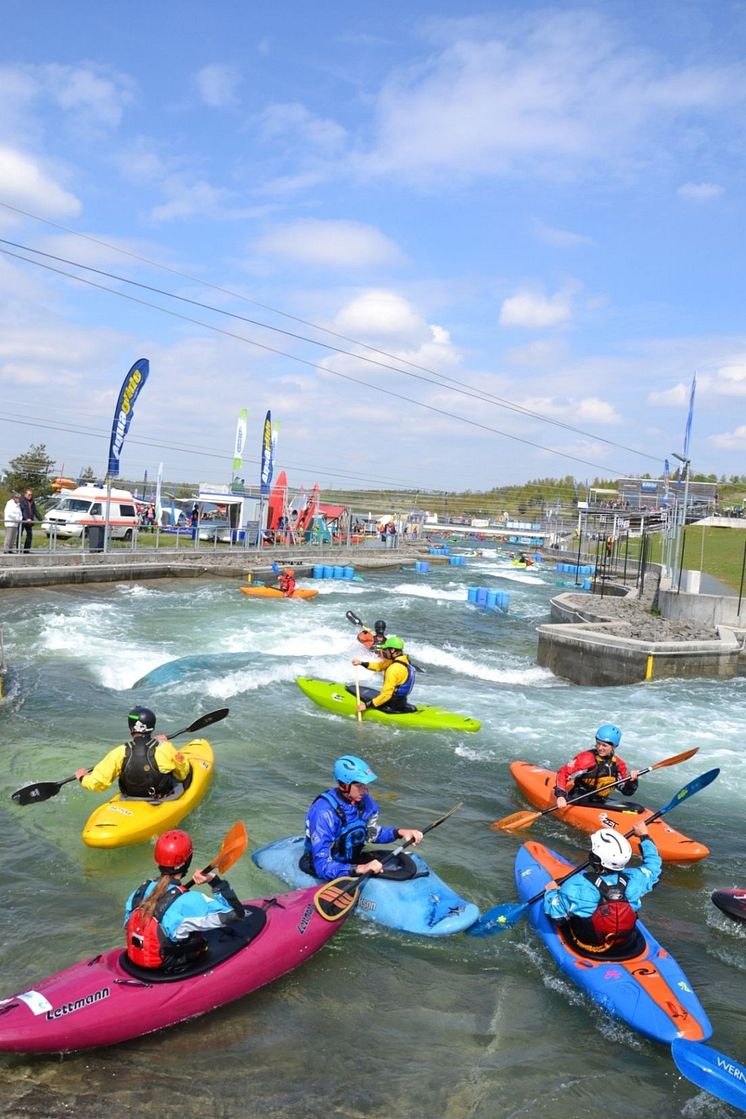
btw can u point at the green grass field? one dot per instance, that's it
(720, 552)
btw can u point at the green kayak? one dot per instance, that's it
(336, 698)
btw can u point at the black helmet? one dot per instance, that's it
(379, 627)
(141, 720)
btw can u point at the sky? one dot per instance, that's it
(449, 246)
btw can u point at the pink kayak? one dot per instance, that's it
(105, 999)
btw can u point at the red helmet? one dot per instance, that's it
(173, 851)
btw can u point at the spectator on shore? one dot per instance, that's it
(29, 514)
(12, 518)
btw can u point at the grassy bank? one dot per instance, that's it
(719, 552)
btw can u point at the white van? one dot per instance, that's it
(84, 507)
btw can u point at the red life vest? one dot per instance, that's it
(145, 937)
(612, 925)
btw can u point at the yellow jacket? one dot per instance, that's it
(395, 673)
(108, 769)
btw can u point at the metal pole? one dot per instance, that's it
(740, 589)
(580, 543)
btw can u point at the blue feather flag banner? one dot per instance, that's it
(266, 467)
(243, 416)
(124, 411)
(688, 431)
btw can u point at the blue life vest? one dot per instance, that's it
(348, 845)
(405, 688)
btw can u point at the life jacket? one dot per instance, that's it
(348, 846)
(611, 927)
(286, 584)
(599, 779)
(366, 638)
(140, 775)
(147, 943)
(405, 688)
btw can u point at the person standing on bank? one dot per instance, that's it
(29, 514)
(12, 519)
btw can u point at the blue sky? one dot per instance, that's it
(475, 248)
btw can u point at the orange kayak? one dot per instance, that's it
(272, 592)
(537, 785)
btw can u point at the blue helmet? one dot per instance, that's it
(607, 732)
(349, 768)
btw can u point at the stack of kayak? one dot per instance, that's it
(125, 820)
(422, 904)
(537, 785)
(335, 697)
(106, 999)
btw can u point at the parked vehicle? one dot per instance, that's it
(82, 512)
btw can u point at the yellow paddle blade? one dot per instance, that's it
(516, 821)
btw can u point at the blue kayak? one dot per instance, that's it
(424, 904)
(648, 991)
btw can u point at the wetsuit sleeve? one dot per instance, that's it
(642, 878)
(376, 834)
(224, 889)
(577, 897)
(323, 829)
(107, 770)
(629, 788)
(169, 760)
(580, 764)
(193, 912)
(394, 675)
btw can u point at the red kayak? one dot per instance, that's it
(732, 903)
(106, 999)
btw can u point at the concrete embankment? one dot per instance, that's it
(617, 639)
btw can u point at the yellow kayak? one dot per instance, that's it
(123, 821)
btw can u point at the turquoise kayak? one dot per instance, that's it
(335, 697)
(648, 991)
(424, 905)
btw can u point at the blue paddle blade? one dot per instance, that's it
(276, 567)
(717, 1074)
(497, 919)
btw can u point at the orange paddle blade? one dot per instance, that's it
(332, 902)
(676, 759)
(233, 847)
(516, 821)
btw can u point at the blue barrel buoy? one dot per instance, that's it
(492, 598)
(481, 596)
(338, 572)
(327, 572)
(349, 572)
(587, 584)
(318, 571)
(471, 594)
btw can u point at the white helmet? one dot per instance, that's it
(612, 851)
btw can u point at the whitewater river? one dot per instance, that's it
(378, 1024)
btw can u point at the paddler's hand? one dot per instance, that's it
(200, 879)
(81, 773)
(551, 885)
(562, 802)
(362, 706)
(375, 866)
(634, 775)
(356, 661)
(410, 835)
(640, 828)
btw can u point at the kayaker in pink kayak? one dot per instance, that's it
(594, 771)
(342, 820)
(598, 909)
(147, 766)
(164, 920)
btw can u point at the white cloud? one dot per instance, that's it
(731, 440)
(381, 315)
(196, 199)
(561, 238)
(535, 311)
(218, 86)
(23, 182)
(291, 119)
(95, 98)
(673, 397)
(730, 380)
(331, 244)
(699, 192)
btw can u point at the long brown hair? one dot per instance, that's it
(147, 906)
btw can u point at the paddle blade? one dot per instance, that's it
(35, 794)
(234, 845)
(689, 790)
(208, 719)
(676, 758)
(717, 1074)
(353, 618)
(498, 919)
(337, 898)
(515, 822)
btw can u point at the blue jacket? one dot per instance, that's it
(580, 898)
(324, 827)
(191, 912)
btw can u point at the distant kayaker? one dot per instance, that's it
(598, 909)
(594, 771)
(147, 766)
(342, 820)
(286, 582)
(164, 921)
(398, 679)
(373, 637)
